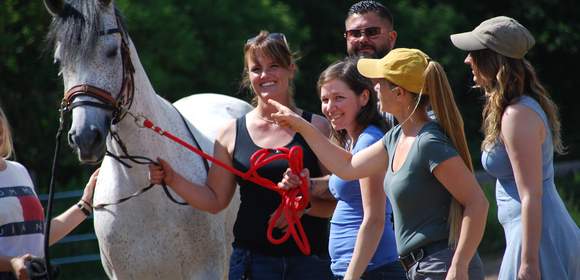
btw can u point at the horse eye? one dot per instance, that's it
(112, 53)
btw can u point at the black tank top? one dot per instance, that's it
(258, 203)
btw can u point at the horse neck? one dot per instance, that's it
(148, 104)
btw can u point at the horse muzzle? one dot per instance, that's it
(89, 143)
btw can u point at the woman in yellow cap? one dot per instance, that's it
(522, 131)
(438, 206)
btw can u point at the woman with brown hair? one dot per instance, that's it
(362, 241)
(522, 131)
(269, 69)
(427, 163)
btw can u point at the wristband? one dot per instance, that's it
(83, 209)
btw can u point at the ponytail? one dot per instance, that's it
(443, 104)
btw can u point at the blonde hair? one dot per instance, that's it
(6, 146)
(442, 102)
(509, 79)
(273, 46)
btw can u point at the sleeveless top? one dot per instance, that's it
(258, 203)
(560, 237)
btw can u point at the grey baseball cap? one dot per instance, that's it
(502, 34)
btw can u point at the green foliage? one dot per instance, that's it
(569, 190)
(188, 47)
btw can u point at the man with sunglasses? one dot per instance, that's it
(369, 30)
(370, 33)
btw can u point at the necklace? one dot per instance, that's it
(269, 121)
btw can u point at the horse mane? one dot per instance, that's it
(77, 29)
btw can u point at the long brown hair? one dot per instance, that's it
(345, 71)
(6, 146)
(508, 80)
(273, 46)
(438, 93)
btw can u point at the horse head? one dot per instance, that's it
(92, 50)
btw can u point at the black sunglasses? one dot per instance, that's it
(357, 33)
(273, 36)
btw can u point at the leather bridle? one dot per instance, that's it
(120, 105)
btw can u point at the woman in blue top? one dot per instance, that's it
(429, 174)
(362, 241)
(522, 131)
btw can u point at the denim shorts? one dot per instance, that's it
(391, 271)
(436, 265)
(245, 264)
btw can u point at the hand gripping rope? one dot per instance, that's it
(292, 201)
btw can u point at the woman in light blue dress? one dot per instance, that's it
(522, 131)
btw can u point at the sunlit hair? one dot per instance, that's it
(438, 94)
(507, 79)
(345, 70)
(272, 47)
(6, 146)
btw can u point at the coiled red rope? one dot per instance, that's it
(292, 200)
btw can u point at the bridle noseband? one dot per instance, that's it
(122, 103)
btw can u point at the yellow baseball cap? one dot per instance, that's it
(403, 67)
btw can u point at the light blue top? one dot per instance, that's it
(560, 241)
(348, 217)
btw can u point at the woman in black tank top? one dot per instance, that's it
(268, 71)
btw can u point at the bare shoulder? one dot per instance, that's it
(520, 120)
(227, 135)
(321, 123)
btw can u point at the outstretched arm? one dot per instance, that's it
(339, 161)
(220, 187)
(64, 223)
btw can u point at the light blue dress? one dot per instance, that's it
(560, 241)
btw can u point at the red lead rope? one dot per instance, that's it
(292, 201)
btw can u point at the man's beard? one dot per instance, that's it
(377, 53)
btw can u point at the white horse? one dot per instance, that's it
(147, 237)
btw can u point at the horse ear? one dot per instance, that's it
(105, 2)
(54, 7)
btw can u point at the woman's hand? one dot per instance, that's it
(529, 271)
(161, 173)
(457, 273)
(291, 180)
(287, 118)
(19, 267)
(90, 188)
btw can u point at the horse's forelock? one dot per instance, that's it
(77, 29)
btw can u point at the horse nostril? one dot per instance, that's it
(71, 138)
(97, 136)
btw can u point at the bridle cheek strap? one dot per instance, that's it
(124, 99)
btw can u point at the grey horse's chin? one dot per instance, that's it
(90, 158)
